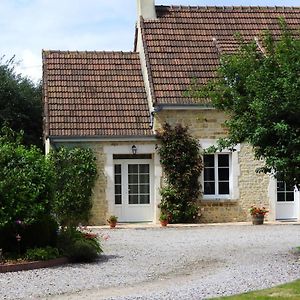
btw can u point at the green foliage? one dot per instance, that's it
(40, 233)
(76, 172)
(260, 92)
(26, 183)
(20, 103)
(42, 253)
(78, 246)
(182, 164)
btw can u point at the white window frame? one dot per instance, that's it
(216, 179)
(234, 172)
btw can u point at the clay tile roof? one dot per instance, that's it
(185, 42)
(94, 94)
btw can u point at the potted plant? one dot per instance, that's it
(164, 220)
(258, 214)
(112, 221)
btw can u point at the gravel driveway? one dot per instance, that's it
(170, 263)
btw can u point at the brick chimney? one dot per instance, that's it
(146, 9)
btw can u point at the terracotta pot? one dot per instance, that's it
(112, 224)
(164, 223)
(258, 219)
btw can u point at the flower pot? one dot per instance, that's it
(258, 219)
(112, 224)
(164, 223)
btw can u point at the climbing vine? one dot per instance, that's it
(182, 164)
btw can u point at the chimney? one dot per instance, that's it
(146, 9)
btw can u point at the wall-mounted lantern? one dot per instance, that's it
(134, 149)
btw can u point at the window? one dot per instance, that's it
(216, 175)
(139, 183)
(285, 192)
(118, 184)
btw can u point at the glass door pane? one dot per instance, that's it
(138, 184)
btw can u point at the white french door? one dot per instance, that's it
(286, 204)
(133, 190)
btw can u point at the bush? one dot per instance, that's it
(42, 253)
(77, 246)
(182, 164)
(26, 181)
(75, 172)
(40, 233)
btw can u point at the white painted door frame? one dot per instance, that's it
(125, 211)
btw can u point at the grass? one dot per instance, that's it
(289, 291)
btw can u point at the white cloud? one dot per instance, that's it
(30, 65)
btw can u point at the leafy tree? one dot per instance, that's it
(182, 164)
(260, 91)
(25, 181)
(75, 172)
(20, 103)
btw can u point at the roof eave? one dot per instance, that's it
(116, 138)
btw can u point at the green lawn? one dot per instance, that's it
(290, 291)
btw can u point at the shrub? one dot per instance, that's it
(42, 253)
(78, 246)
(26, 183)
(182, 165)
(75, 172)
(40, 233)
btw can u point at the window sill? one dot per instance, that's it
(218, 202)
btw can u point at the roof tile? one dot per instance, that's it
(181, 46)
(94, 94)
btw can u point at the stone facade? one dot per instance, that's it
(253, 187)
(203, 124)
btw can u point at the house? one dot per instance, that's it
(114, 102)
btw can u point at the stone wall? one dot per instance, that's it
(205, 124)
(253, 187)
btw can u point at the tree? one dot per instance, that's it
(75, 174)
(20, 103)
(26, 181)
(180, 157)
(260, 91)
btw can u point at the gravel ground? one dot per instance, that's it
(170, 263)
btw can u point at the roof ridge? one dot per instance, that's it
(88, 52)
(233, 7)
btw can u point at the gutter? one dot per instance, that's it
(161, 107)
(82, 139)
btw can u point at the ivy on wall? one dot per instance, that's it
(182, 164)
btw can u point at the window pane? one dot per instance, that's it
(144, 168)
(118, 189)
(209, 188)
(118, 199)
(133, 199)
(133, 168)
(280, 186)
(144, 199)
(289, 187)
(280, 196)
(223, 160)
(144, 189)
(290, 196)
(209, 160)
(144, 178)
(133, 178)
(209, 174)
(118, 169)
(224, 188)
(133, 189)
(223, 174)
(117, 179)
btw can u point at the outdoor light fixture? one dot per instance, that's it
(134, 149)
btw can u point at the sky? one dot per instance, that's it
(28, 26)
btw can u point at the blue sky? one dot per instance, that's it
(28, 26)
